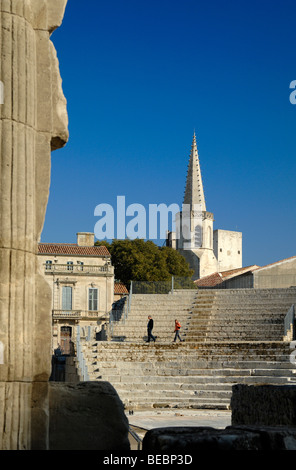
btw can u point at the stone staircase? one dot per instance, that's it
(164, 309)
(240, 314)
(230, 337)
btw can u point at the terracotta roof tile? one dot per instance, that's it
(238, 271)
(71, 249)
(209, 281)
(217, 278)
(120, 288)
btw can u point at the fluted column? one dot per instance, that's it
(29, 73)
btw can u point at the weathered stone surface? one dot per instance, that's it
(263, 418)
(193, 439)
(33, 121)
(190, 440)
(263, 405)
(86, 416)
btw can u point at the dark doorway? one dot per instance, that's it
(65, 340)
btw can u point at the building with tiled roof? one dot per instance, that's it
(81, 277)
(219, 278)
(72, 249)
(281, 273)
(211, 280)
(120, 290)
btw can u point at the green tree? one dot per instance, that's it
(139, 260)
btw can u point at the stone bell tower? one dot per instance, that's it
(194, 225)
(206, 250)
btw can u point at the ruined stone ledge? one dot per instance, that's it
(194, 439)
(263, 405)
(263, 419)
(86, 416)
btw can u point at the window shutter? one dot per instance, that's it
(67, 298)
(93, 299)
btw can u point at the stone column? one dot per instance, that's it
(33, 121)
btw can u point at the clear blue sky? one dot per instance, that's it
(140, 77)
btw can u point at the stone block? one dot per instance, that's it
(264, 405)
(86, 416)
(191, 440)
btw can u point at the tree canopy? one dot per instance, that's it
(139, 260)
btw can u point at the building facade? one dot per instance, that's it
(205, 249)
(81, 278)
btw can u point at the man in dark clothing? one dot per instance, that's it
(149, 330)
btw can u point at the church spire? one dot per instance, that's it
(194, 193)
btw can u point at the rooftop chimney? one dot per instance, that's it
(85, 239)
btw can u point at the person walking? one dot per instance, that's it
(177, 331)
(149, 329)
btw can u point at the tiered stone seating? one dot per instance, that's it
(231, 337)
(164, 309)
(187, 375)
(240, 314)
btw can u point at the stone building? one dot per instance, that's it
(81, 278)
(281, 274)
(205, 249)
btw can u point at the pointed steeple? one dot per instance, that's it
(194, 193)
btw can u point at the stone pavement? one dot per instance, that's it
(144, 420)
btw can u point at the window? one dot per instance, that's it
(93, 299)
(80, 265)
(70, 266)
(67, 298)
(198, 236)
(48, 265)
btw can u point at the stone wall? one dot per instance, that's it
(280, 274)
(228, 249)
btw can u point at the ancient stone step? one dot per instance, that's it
(167, 370)
(231, 337)
(214, 347)
(224, 363)
(213, 383)
(177, 403)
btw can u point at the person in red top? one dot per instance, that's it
(177, 331)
